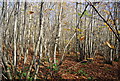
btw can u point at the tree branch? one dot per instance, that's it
(104, 21)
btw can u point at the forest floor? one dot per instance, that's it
(97, 69)
(71, 69)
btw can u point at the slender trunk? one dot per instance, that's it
(23, 30)
(77, 32)
(15, 36)
(28, 38)
(58, 33)
(40, 41)
(37, 45)
(15, 39)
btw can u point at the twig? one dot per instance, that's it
(5, 63)
(4, 76)
(66, 48)
(82, 15)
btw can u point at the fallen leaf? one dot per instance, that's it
(111, 46)
(90, 58)
(82, 38)
(107, 12)
(106, 24)
(67, 29)
(31, 12)
(109, 29)
(83, 77)
(119, 32)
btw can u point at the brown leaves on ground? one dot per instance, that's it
(71, 69)
(97, 69)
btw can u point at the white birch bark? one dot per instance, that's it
(28, 37)
(40, 40)
(59, 33)
(15, 37)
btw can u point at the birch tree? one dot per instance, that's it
(58, 32)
